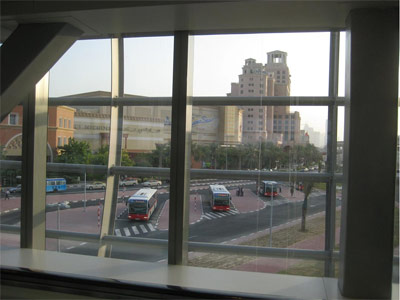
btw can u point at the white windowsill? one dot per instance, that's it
(188, 277)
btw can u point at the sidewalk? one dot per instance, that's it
(275, 265)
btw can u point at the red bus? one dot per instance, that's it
(142, 204)
(269, 188)
(220, 198)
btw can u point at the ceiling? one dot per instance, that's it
(128, 18)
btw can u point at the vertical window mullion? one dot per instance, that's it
(181, 130)
(115, 143)
(330, 219)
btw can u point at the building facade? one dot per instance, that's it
(267, 123)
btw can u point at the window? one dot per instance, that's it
(13, 119)
(65, 123)
(65, 140)
(60, 123)
(59, 141)
(69, 123)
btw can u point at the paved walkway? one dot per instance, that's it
(275, 265)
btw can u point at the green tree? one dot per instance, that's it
(161, 155)
(101, 157)
(308, 186)
(75, 152)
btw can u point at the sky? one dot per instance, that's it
(218, 60)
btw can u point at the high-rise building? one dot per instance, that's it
(267, 123)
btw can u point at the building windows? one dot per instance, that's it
(261, 91)
(60, 122)
(241, 91)
(13, 119)
(65, 140)
(69, 123)
(59, 141)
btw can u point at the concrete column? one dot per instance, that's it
(366, 242)
(34, 149)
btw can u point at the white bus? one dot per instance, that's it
(220, 198)
(142, 204)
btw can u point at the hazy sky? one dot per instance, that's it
(218, 60)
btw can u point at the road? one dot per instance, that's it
(249, 214)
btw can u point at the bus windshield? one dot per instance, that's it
(138, 207)
(221, 199)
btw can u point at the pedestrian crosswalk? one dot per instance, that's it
(135, 230)
(219, 214)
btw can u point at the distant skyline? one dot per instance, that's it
(218, 60)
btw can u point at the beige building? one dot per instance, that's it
(267, 123)
(146, 126)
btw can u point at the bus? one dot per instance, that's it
(142, 204)
(269, 188)
(220, 198)
(55, 184)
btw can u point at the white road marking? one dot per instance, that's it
(118, 232)
(143, 228)
(81, 244)
(135, 230)
(69, 248)
(151, 227)
(127, 232)
(206, 217)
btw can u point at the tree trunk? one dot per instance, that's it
(304, 214)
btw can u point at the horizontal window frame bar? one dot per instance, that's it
(194, 173)
(193, 246)
(199, 101)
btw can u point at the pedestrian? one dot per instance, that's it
(241, 192)
(7, 194)
(291, 190)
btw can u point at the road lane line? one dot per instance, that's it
(81, 244)
(143, 228)
(69, 248)
(151, 227)
(118, 232)
(127, 232)
(135, 230)
(206, 217)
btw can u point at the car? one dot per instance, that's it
(16, 189)
(152, 183)
(128, 181)
(97, 185)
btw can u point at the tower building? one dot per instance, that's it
(267, 123)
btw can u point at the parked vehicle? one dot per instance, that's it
(97, 185)
(152, 183)
(128, 182)
(15, 189)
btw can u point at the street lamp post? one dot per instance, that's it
(58, 226)
(270, 219)
(84, 201)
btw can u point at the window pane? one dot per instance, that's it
(267, 211)
(78, 135)
(10, 175)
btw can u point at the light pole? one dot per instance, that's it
(84, 200)
(270, 219)
(58, 226)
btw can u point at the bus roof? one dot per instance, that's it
(217, 188)
(143, 194)
(269, 182)
(55, 178)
